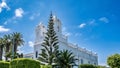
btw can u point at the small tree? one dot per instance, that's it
(114, 61)
(50, 45)
(66, 59)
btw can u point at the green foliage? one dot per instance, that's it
(1, 47)
(17, 40)
(4, 64)
(24, 63)
(7, 45)
(7, 42)
(114, 61)
(87, 66)
(100, 66)
(66, 59)
(50, 45)
(45, 66)
(90, 66)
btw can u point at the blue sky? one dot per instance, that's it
(93, 24)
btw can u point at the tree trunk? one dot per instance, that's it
(6, 58)
(1, 52)
(7, 51)
(15, 48)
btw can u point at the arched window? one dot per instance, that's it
(95, 64)
(88, 62)
(36, 54)
(81, 61)
(58, 28)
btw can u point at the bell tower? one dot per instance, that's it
(40, 33)
(57, 25)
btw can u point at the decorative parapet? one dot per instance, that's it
(29, 55)
(65, 37)
(83, 49)
(36, 43)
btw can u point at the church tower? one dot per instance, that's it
(57, 25)
(40, 33)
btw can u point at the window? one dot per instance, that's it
(95, 64)
(81, 61)
(88, 62)
(43, 33)
(36, 54)
(58, 28)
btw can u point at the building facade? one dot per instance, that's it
(84, 56)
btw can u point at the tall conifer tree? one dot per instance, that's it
(49, 45)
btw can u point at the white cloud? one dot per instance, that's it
(91, 22)
(19, 12)
(82, 25)
(65, 32)
(20, 50)
(31, 17)
(5, 23)
(78, 34)
(2, 29)
(104, 19)
(30, 43)
(103, 64)
(10, 20)
(64, 29)
(3, 5)
(34, 15)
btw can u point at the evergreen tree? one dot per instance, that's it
(50, 45)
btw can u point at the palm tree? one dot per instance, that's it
(17, 40)
(66, 59)
(1, 47)
(7, 41)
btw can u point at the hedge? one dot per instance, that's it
(87, 66)
(24, 63)
(45, 66)
(4, 64)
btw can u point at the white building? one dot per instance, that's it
(84, 56)
(30, 55)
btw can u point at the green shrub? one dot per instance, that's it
(114, 61)
(24, 63)
(45, 66)
(100, 66)
(87, 66)
(4, 64)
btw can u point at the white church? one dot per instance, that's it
(84, 56)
